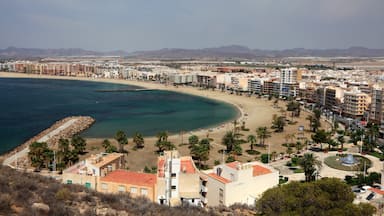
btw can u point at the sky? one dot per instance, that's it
(133, 25)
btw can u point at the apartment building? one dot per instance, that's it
(355, 103)
(88, 171)
(376, 114)
(289, 82)
(123, 181)
(235, 182)
(178, 180)
(333, 98)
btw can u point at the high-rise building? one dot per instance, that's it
(288, 82)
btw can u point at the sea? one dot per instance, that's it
(28, 106)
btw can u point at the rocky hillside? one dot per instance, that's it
(31, 194)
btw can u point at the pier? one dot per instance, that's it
(64, 128)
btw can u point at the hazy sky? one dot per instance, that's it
(153, 24)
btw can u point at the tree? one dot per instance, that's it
(109, 148)
(138, 140)
(229, 140)
(193, 140)
(299, 146)
(278, 123)
(340, 138)
(263, 134)
(252, 140)
(78, 144)
(162, 142)
(314, 120)
(310, 164)
(122, 139)
(63, 154)
(294, 108)
(328, 196)
(321, 136)
(200, 151)
(371, 135)
(39, 154)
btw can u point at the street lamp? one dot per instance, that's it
(361, 141)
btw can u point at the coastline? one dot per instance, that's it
(212, 95)
(255, 112)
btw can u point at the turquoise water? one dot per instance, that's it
(28, 106)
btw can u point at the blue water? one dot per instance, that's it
(28, 106)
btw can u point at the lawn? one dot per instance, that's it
(335, 162)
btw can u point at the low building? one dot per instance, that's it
(88, 171)
(122, 181)
(235, 182)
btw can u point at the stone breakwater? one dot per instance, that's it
(64, 128)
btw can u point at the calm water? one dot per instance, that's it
(28, 106)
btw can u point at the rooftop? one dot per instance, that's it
(219, 178)
(133, 178)
(101, 160)
(259, 170)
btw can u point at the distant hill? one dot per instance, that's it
(225, 52)
(12, 52)
(236, 51)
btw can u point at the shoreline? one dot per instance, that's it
(254, 112)
(154, 86)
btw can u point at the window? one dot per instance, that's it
(221, 196)
(173, 174)
(144, 191)
(87, 184)
(69, 181)
(173, 187)
(121, 188)
(133, 190)
(104, 186)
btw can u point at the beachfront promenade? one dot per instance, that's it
(64, 128)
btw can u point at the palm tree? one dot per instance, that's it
(78, 144)
(200, 151)
(310, 164)
(229, 140)
(193, 140)
(138, 140)
(37, 154)
(263, 134)
(122, 139)
(341, 139)
(252, 140)
(162, 142)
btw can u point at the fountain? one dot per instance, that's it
(349, 160)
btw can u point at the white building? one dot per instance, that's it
(234, 182)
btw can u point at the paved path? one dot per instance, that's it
(23, 153)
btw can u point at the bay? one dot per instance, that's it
(28, 106)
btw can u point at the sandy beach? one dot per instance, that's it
(255, 112)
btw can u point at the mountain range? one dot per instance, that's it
(224, 52)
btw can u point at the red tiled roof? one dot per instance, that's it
(187, 166)
(219, 178)
(233, 164)
(259, 170)
(127, 177)
(378, 191)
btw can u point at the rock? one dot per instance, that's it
(41, 207)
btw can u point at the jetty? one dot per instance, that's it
(124, 90)
(64, 128)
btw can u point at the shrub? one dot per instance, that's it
(230, 159)
(63, 194)
(216, 162)
(252, 152)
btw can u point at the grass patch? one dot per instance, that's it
(377, 154)
(252, 152)
(336, 163)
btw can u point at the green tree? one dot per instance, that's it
(39, 154)
(252, 140)
(310, 165)
(229, 140)
(263, 134)
(294, 108)
(328, 196)
(340, 138)
(162, 142)
(314, 120)
(371, 135)
(109, 148)
(200, 152)
(320, 136)
(78, 144)
(122, 139)
(278, 123)
(193, 140)
(64, 153)
(138, 139)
